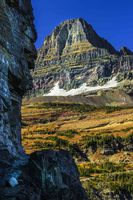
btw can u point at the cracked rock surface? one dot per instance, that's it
(17, 55)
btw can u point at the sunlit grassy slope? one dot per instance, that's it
(100, 139)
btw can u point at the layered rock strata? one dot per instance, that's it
(17, 55)
(74, 54)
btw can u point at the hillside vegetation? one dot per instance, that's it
(99, 139)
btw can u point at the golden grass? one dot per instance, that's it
(45, 125)
(42, 121)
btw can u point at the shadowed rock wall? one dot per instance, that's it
(17, 55)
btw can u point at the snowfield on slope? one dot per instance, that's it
(57, 91)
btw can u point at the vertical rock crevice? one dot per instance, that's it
(17, 55)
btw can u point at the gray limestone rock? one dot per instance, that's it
(74, 54)
(17, 55)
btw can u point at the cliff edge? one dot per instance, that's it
(46, 175)
(17, 55)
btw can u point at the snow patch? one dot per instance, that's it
(57, 91)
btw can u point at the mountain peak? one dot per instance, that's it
(125, 51)
(74, 35)
(74, 58)
(73, 20)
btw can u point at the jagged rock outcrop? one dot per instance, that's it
(49, 175)
(125, 51)
(17, 55)
(74, 55)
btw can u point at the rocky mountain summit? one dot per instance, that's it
(51, 175)
(74, 56)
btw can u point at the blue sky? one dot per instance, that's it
(112, 19)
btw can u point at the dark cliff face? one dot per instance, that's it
(17, 54)
(74, 54)
(47, 175)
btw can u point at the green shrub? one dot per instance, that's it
(60, 143)
(129, 138)
(110, 109)
(111, 167)
(68, 133)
